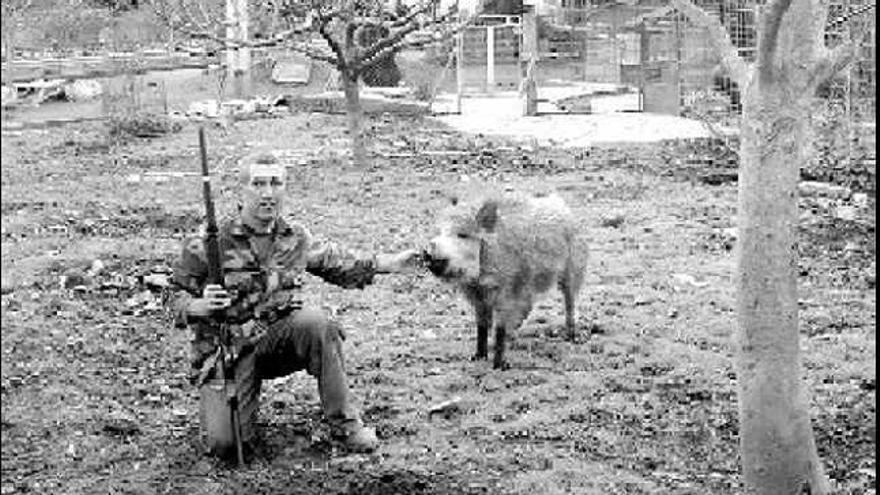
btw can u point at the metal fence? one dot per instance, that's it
(490, 54)
(669, 59)
(850, 98)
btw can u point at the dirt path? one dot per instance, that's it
(502, 115)
(93, 379)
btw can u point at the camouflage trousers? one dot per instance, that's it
(308, 340)
(304, 340)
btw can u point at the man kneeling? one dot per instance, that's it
(263, 257)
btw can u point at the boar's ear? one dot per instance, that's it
(487, 217)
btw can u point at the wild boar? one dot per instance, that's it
(504, 251)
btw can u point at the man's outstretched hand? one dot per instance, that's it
(399, 262)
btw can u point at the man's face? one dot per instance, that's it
(263, 194)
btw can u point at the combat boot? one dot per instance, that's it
(355, 436)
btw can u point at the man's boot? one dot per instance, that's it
(355, 436)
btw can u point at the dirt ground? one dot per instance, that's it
(94, 391)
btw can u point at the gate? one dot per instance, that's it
(490, 54)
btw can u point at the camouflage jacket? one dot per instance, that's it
(264, 269)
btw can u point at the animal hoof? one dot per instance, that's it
(501, 365)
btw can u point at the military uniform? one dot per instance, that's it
(263, 274)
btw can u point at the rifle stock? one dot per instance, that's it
(226, 363)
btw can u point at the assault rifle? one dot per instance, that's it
(224, 370)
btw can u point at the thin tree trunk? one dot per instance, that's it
(9, 33)
(231, 51)
(355, 113)
(776, 438)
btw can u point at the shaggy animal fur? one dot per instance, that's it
(504, 251)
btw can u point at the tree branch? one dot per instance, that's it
(397, 43)
(281, 37)
(412, 15)
(352, 31)
(384, 46)
(737, 68)
(323, 20)
(410, 44)
(191, 19)
(314, 54)
(769, 36)
(830, 63)
(167, 14)
(204, 13)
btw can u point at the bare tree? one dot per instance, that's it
(776, 439)
(352, 36)
(13, 11)
(56, 24)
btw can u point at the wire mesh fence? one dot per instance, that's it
(655, 48)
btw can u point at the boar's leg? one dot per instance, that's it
(484, 323)
(478, 298)
(509, 319)
(570, 284)
(500, 335)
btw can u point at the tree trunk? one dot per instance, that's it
(355, 118)
(9, 33)
(776, 438)
(530, 90)
(238, 57)
(778, 450)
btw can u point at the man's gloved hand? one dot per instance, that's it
(214, 298)
(396, 263)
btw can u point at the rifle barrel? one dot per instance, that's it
(211, 247)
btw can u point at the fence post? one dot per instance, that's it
(490, 57)
(459, 66)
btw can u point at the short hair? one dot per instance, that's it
(261, 164)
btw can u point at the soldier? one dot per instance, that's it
(263, 258)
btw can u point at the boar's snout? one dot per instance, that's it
(436, 262)
(437, 266)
